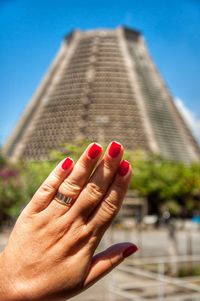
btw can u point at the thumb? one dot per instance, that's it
(104, 262)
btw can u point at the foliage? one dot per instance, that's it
(35, 172)
(171, 185)
(11, 191)
(189, 271)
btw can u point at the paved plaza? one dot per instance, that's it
(132, 280)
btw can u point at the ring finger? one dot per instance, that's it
(74, 183)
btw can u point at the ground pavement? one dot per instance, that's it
(129, 281)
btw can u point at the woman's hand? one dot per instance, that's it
(50, 253)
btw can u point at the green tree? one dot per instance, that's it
(162, 182)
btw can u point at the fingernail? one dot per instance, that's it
(67, 163)
(130, 250)
(94, 151)
(114, 149)
(123, 168)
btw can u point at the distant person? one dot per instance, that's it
(50, 253)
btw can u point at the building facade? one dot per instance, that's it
(103, 86)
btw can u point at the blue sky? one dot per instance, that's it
(31, 32)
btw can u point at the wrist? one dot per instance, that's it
(7, 292)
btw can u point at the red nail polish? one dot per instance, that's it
(114, 149)
(94, 151)
(123, 168)
(67, 163)
(130, 250)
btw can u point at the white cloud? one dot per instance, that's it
(190, 118)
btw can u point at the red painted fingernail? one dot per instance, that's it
(123, 168)
(94, 151)
(67, 163)
(130, 250)
(114, 149)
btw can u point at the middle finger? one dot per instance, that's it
(96, 188)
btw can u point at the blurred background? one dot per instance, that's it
(78, 71)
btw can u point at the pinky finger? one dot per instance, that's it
(110, 205)
(104, 262)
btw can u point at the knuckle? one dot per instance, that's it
(47, 188)
(95, 191)
(120, 187)
(109, 207)
(110, 261)
(70, 187)
(88, 231)
(51, 183)
(55, 180)
(108, 164)
(83, 164)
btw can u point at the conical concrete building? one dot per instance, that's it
(103, 86)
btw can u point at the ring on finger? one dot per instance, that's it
(62, 199)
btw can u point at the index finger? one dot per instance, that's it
(47, 190)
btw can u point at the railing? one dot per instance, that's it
(159, 286)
